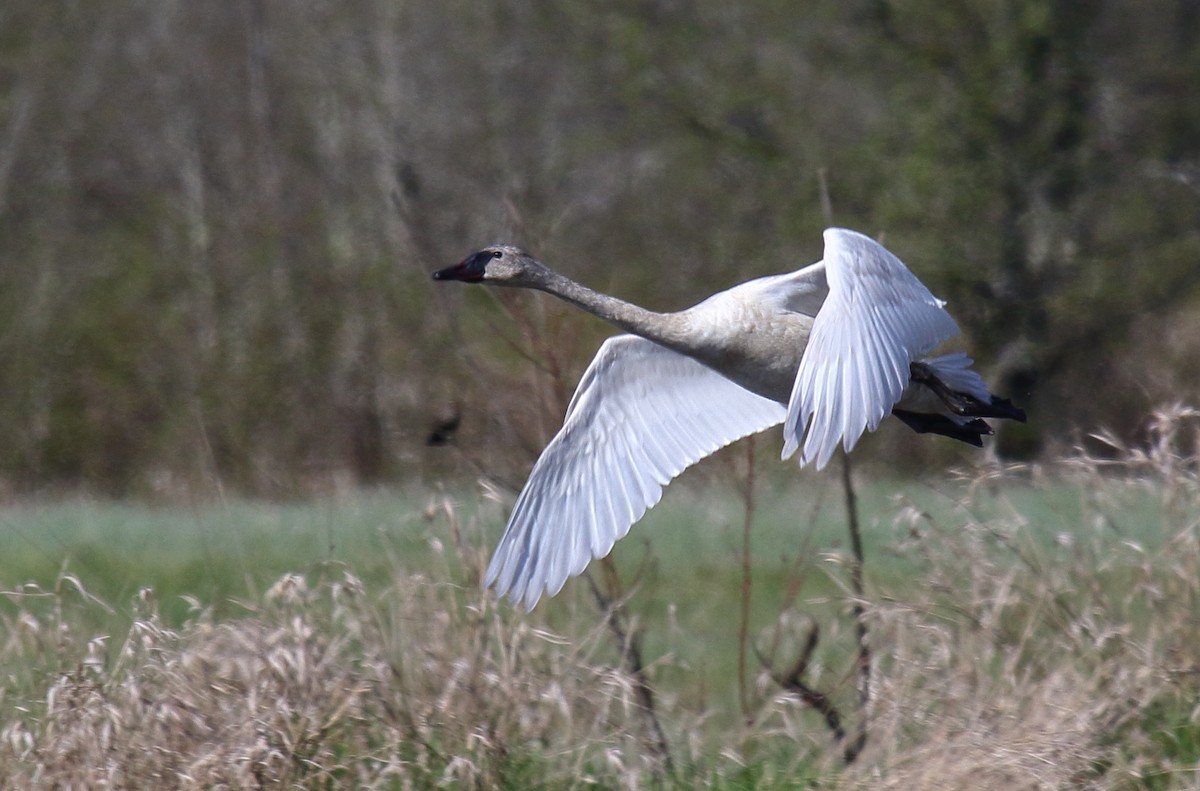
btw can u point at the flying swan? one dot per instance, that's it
(828, 350)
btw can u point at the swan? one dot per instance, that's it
(828, 351)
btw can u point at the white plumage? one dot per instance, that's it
(828, 350)
(877, 318)
(642, 414)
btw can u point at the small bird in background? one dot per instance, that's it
(445, 429)
(829, 351)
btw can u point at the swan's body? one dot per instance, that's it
(828, 350)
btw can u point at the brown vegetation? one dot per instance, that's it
(1011, 661)
(216, 218)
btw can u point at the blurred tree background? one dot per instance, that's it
(217, 219)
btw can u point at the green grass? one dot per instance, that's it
(983, 595)
(216, 552)
(682, 561)
(685, 552)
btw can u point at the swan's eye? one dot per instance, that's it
(497, 254)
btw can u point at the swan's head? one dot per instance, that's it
(500, 265)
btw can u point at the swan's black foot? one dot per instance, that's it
(962, 403)
(972, 432)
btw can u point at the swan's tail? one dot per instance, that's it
(964, 397)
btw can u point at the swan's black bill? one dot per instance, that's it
(468, 270)
(449, 273)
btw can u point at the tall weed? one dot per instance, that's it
(1029, 649)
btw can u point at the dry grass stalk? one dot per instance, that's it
(322, 685)
(1027, 653)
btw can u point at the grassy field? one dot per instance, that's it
(1032, 629)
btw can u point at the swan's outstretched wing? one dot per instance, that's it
(876, 319)
(641, 415)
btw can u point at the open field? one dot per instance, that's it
(1030, 629)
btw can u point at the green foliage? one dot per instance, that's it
(215, 228)
(1028, 628)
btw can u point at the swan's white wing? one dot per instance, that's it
(641, 415)
(877, 318)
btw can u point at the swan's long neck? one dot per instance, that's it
(665, 328)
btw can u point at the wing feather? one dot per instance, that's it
(641, 415)
(876, 319)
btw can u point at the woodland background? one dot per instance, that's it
(217, 219)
